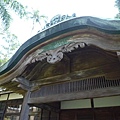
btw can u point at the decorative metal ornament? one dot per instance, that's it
(59, 18)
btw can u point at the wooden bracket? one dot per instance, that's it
(24, 87)
(23, 83)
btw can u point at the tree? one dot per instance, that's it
(117, 4)
(10, 5)
(10, 40)
(36, 18)
(11, 45)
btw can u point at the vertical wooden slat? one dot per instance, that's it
(76, 86)
(88, 84)
(117, 82)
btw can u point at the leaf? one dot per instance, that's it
(5, 16)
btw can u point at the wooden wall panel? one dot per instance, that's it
(112, 113)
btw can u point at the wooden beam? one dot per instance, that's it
(104, 70)
(49, 115)
(26, 88)
(41, 114)
(47, 107)
(78, 95)
(5, 108)
(23, 83)
(21, 80)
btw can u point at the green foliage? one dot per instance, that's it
(6, 6)
(10, 40)
(11, 45)
(117, 4)
(17, 7)
(5, 16)
(2, 60)
(36, 17)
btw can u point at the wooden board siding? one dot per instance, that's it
(48, 115)
(112, 113)
(87, 88)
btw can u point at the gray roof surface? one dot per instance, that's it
(107, 26)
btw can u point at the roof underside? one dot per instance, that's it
(75, 49)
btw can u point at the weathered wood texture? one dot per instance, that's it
(79, 64)
(2, 109)
(82, 63)
(49, 115)
(78, 95)
(75, 86)
(53, 107)
(77, 60)
(111, 113)
(90, 36)
(25, 107)
(49, 111)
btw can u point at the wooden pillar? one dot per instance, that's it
(92, 106)
(49, 115)
(25, 107)
(41, 114)
(25, 85)
(4, 111)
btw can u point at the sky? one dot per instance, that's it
(98, 8)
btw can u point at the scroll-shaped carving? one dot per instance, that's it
(56, 55)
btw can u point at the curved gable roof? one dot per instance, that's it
(107, 26)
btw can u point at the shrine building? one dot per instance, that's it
(68, 71)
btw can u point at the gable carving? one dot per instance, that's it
(55, 55)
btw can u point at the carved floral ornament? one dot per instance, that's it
(56, 55)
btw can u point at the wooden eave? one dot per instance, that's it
(99, 57)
